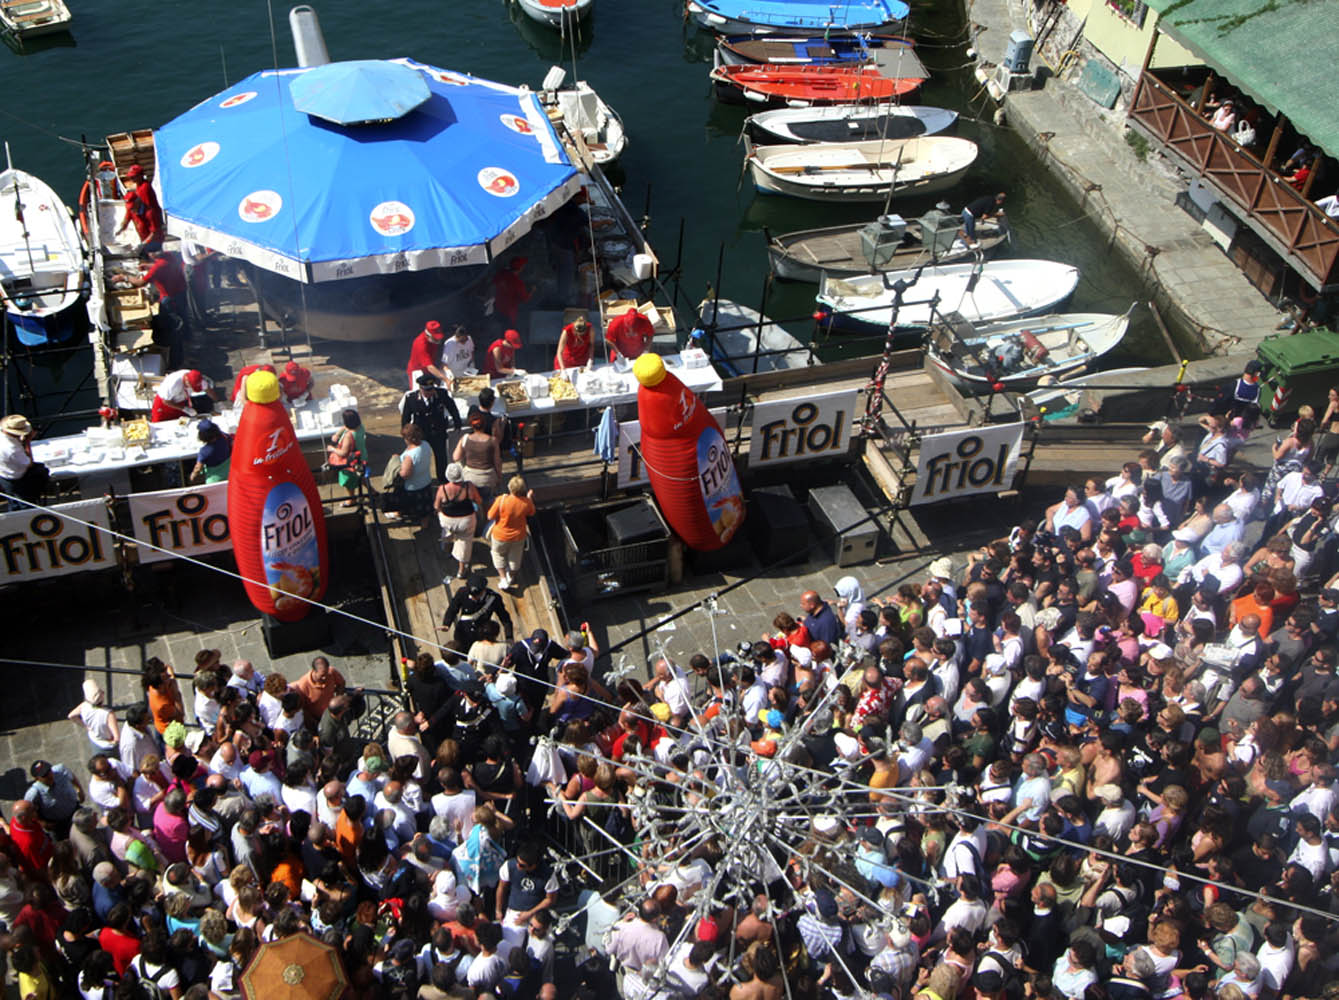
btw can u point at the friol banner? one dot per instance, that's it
(790, 430)
(35, 544)
(187, 522)
(963, 463)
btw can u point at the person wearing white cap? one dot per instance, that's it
(20, 475)
(99, 722)
(1179, 553)
(1117, 816)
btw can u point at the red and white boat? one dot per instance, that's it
(806, 86)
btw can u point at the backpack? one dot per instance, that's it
(144, 986)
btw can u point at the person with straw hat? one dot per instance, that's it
(21, 476)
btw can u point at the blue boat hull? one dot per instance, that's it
(40, 330)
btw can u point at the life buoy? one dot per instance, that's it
(86, 195)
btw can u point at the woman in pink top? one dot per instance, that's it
(170, 828)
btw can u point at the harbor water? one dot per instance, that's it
(137, 64)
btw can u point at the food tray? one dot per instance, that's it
(562, 392)
(469, 386)
(134, 432)
(129, 307)
(513, 393)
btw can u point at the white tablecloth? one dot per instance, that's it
(99, 451)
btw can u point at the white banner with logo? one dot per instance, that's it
(964, 463)
(790, 430)
(35, 544)
(186, 522)
(631, 468)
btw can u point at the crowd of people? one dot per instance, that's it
(1093, 763)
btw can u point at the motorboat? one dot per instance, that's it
(849, 123)
(1016, 354)
(980, 293)
(556, 13)
(889, 243)
(794, 17)
(872, 170)
(584, 114)
(735, 333)
(808, 86)
(34, 18)
(42, 267)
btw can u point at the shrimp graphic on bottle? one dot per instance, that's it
(687, 459)
(274, 511)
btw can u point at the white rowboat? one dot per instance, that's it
(850, 123)
(41, 259)
(33, 18)
(861, 171)
(741, 332)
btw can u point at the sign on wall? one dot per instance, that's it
(964, 463)
(184, 522)
(35, 544)
(631, 469)
(791, 430)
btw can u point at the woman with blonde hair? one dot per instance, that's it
(480, 856)
(510, 513)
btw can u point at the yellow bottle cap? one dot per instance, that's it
(649, 369)
(262, 387)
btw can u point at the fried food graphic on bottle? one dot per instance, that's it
(293, 580)
(730, 512)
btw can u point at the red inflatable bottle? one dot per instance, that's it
(687, 459)
(274, 511)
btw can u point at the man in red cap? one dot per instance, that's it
(143, 209)
(501, 357)
(629, 335)
(426, 354)
(509, 291)
(296, 382)
(174, 396)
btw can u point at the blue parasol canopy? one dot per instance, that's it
(360, 91)
(452, 182)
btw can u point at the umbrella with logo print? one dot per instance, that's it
(361, 168)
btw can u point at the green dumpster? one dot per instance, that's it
(1299, 369)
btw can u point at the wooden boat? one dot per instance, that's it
(41, 260)
(894, 55)
(556, 13)
(597, 123)
(806, 86)
(850, 123)
(740, 331)
(1014, 355)
(840, 251)
(980, 293)
(33, 18)
(861, 171)
(794, 17)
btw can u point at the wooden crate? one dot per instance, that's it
(130, 307)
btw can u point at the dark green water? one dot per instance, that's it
(137, 64)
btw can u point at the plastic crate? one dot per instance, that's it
(596, 568)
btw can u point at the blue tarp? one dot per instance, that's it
(808, 15)
(452, 182)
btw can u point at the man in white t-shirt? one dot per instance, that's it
(458, 351)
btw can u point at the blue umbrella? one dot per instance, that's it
(360, 91)
(452, 182)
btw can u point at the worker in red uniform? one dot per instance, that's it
(239, 383)
(501, 356)
(178, 393)
(574, 345)
(509, 291)
(168, 277)
(629, 335)
(296, 382)
(426, 354)
(143, 209)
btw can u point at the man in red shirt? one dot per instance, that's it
(168, 278)
(629, 335)
(509, 291)
(143, 209)
(32, 844)
(501, 356)
(426, 354)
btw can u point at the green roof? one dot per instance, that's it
(1281, 52)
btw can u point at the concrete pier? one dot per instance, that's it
(1197, 288)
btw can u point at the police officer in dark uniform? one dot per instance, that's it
(529, 659)
(471, 606)
(434, 412)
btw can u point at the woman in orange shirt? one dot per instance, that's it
(349, 831)
(160, 687)
(509, 515)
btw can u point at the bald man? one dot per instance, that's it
(820, 621)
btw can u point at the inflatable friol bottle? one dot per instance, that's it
(687, 459)
(274, 511)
